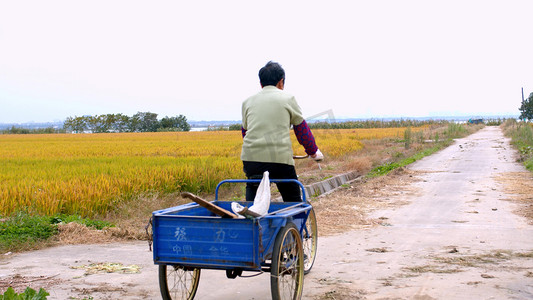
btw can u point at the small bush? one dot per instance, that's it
(28, 294)
(455, 130)
(419, 136)
(407, 137)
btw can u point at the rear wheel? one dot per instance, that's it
(310, 241)
(287, 270)
(176, 282)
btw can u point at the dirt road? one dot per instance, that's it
(456, 239)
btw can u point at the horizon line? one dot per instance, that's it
(337, 119)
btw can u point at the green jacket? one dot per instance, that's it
(267, 117)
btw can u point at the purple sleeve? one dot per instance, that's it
(305, 138)
(243, 131)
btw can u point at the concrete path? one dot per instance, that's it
(456, 240)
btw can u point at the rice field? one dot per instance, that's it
(88, 174)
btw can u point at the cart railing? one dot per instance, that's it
(184, 237)
(304, 197)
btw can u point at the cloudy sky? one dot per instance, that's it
(360, 59)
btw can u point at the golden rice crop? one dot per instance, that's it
(87, 173)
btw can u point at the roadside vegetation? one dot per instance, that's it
(23, 231)
(424, 147)
(521, 134)
(28, 294)
(119, 179)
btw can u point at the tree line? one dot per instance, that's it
(374, 124)
(139, 122)
(526, 109)
(21, 130)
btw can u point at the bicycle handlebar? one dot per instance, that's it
(306, 156)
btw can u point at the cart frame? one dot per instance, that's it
(189, 238)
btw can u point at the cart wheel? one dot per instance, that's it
(310, 241)
(287, 272)
(176, 282)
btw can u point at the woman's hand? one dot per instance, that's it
(318, 156)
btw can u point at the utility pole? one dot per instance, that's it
(523, 109)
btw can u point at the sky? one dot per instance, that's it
(352, 59)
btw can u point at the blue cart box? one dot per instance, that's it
(190, 235)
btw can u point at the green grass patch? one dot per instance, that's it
(387, 168)
(23, 231)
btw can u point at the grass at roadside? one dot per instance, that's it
(388, 167)
(23, 231)
(519, 184)
(521, 135)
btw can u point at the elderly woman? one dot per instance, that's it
(266, 120)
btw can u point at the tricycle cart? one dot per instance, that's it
(188, 238)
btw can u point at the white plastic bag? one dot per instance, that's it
(262, 197)
(261, 200)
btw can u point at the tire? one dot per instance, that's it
(287, 269)
(310, 241)
(178, 283)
